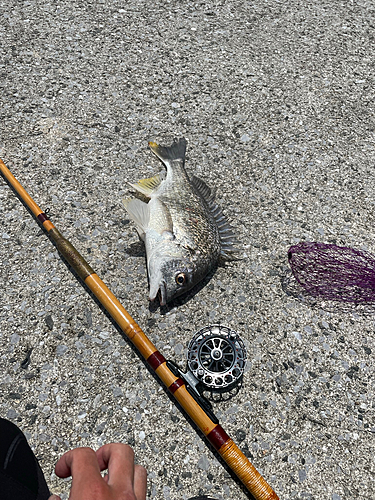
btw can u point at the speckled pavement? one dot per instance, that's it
(276, 100)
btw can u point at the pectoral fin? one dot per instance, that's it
(160, 217)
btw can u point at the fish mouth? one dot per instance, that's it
(161, 293)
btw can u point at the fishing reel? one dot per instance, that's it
(217, 357)
(216, 362)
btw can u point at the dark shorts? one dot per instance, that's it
(21, 477)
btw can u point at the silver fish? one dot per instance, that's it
(184, 230)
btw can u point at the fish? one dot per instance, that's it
(184, 230)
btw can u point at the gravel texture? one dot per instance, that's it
(276, 100)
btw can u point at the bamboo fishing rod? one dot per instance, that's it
(204, 420)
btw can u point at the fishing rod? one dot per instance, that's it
(166, 371)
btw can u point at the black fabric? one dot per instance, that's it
(21, 477)
(201, 498)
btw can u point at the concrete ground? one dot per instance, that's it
(276, 100)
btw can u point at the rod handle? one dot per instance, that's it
(246, 472)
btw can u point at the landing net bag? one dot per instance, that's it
(331, 272)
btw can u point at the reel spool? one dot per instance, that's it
(217, 357)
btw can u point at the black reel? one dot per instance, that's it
(217, 357)
(215, 363)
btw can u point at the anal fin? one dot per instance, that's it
(150, 185)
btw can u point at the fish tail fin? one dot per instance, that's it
(168, 154)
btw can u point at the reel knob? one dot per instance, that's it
(217, 357)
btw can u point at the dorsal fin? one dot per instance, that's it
(227, 237)
(228, 240)
(206, 192)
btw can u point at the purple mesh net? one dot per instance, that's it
(330, 272)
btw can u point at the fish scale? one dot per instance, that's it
(193, 225)
(184, 230)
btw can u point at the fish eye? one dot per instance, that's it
(180, 279)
